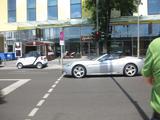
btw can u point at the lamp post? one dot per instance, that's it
(138, 37)
(97, 24)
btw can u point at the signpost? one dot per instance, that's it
(61, 42)
(18, 49)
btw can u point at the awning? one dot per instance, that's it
(37, 43)
(134, 19)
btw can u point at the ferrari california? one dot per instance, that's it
(107, 64)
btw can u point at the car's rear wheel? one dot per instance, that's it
(39, 65)
(19, 65)
(130, 70)
(79, 71)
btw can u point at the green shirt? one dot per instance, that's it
(151, 68)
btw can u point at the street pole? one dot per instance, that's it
(62, 44)
(138, 37)
(97, 25)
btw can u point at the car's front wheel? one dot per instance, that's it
(19, 65)
(130, 70)
(79, 71)
(39, 65)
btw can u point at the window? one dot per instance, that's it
(153, 7)
(31, 10)
(150, 28)
(76, 10)
(52, 9)
(11, 10)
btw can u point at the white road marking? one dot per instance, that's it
(46, 95)
(53, 86)
(13, 86)
(40, 103)
(56, 82)
(33, 112)
(50, 90)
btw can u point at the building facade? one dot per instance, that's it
(30, 21)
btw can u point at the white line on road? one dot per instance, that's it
(56, 82)
(13, 86)
(40, 103)
(33, 112)
(46, 96)
(50, 90)
(53, 86)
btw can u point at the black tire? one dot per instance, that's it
(39, 65)
(19, 65)
(79, 71)
(130, 70)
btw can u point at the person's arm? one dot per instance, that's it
(147, 68)
(149, 80)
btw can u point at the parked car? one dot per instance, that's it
(107, 64)
(32, 59)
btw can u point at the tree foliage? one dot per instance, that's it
(126, 8)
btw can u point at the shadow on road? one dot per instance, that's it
(2, 98)
(139, 109)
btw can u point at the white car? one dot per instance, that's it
(107, 64)
(32, 59)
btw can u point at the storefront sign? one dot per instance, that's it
(86, 38)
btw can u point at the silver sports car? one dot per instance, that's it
(107, 64)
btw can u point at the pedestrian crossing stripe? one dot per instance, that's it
(14, 86)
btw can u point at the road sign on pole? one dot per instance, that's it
(61, 42)
(61, 38)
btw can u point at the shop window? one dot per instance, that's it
(150, 28)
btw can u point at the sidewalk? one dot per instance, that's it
(54, 64)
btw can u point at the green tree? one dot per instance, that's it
(104, 9)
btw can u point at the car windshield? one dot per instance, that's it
(33, 54)
(108, 57)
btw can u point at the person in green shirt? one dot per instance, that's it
(151, 73)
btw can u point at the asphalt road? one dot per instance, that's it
(46, 95)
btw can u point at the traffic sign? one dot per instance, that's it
(61, 38)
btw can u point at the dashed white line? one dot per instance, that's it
(33, 112)
(53, 86)
(50, 90)
(46, 95)
(56, 82)
(40, 103)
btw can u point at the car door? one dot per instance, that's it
(105, 64)
(29, 59)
